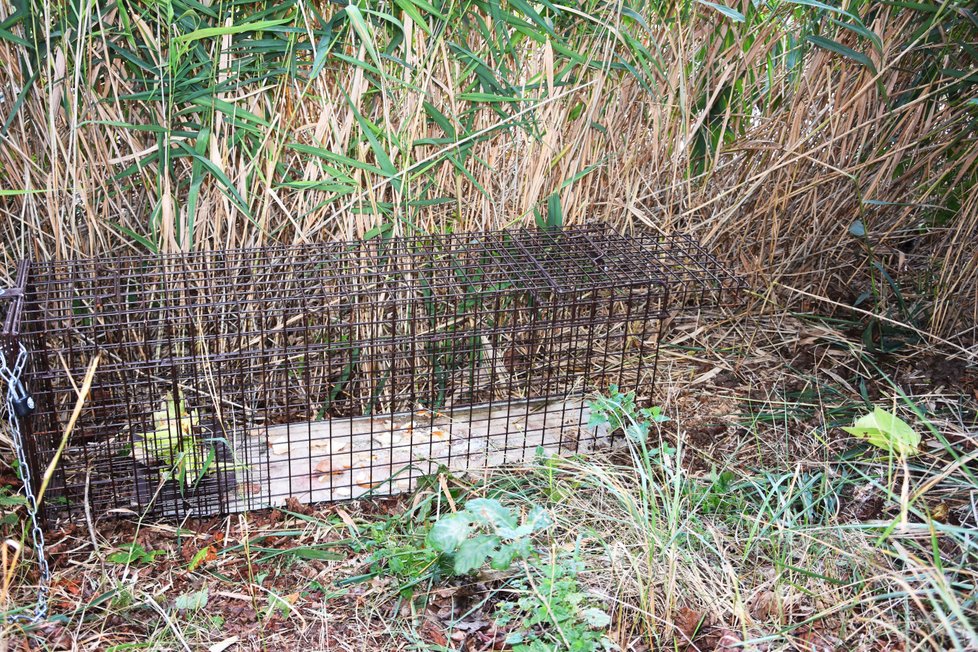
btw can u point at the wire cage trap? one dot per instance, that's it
(236, 380)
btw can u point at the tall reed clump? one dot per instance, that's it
(771, 130)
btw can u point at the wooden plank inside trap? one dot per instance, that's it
(345, 458)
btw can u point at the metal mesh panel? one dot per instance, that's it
(234, 380)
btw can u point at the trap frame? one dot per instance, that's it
(238, 379)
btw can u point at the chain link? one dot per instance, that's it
(11, 377)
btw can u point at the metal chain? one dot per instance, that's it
(11, 377)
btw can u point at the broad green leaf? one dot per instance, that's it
(596, 618)
(229, 109)
(18, 103)
(522, 548)
(199, 557)
(143, 240)
(555, 213)
(133, 553)
(637, 432)
(838, 48)
(192, 600)
(12, 500)
(226, 185)
(580, 175)
(515, 638)
(887, 431)
(440, 119)
(472, 554)
(196, 179)
(429, 8)
(172, 443)
(826, 7)
(503, 558)
(538, 518)
(465, 173)
(383, 159)
(323, 48)
(490, 97)
(363, 31)
(448, 533)
(210, 32)
(487, 511)
(4, 192)
(279, 604)
(655, 415)
(321, 185)
(327, 155)
(729, 12)
(533, 15)
(124, 557)
(412, 11)
(861, 30)
(13, 38)
(898, 429)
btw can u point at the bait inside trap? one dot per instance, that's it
(236, 380)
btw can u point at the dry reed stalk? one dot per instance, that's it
(710, 131)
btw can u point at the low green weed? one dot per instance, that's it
(553, 611)
(134, 553)
(421, 549)
(485, 530)
(619, 412)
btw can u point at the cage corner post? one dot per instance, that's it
(11, 342)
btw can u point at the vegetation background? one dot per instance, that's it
(826, 147)
(826, 150)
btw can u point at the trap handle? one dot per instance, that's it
(13, 297)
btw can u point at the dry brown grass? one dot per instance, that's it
(801, 154)
(804, 151)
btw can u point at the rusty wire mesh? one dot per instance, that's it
(234, 380)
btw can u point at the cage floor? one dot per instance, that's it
(347, 458)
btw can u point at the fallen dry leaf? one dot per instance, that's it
(326, 466)
(688, 621)
(363, 460)
(729, 641)
(347, 520)
(887, 645)
(279, 446)
(434, 633)
(363, 480)
(327, 446)
(209, 555)
(387, 439)
(223, 645)
(249, 488)
(812, 640)
(763, 605)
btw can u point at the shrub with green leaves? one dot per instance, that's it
(618, 412)
(486, 530)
